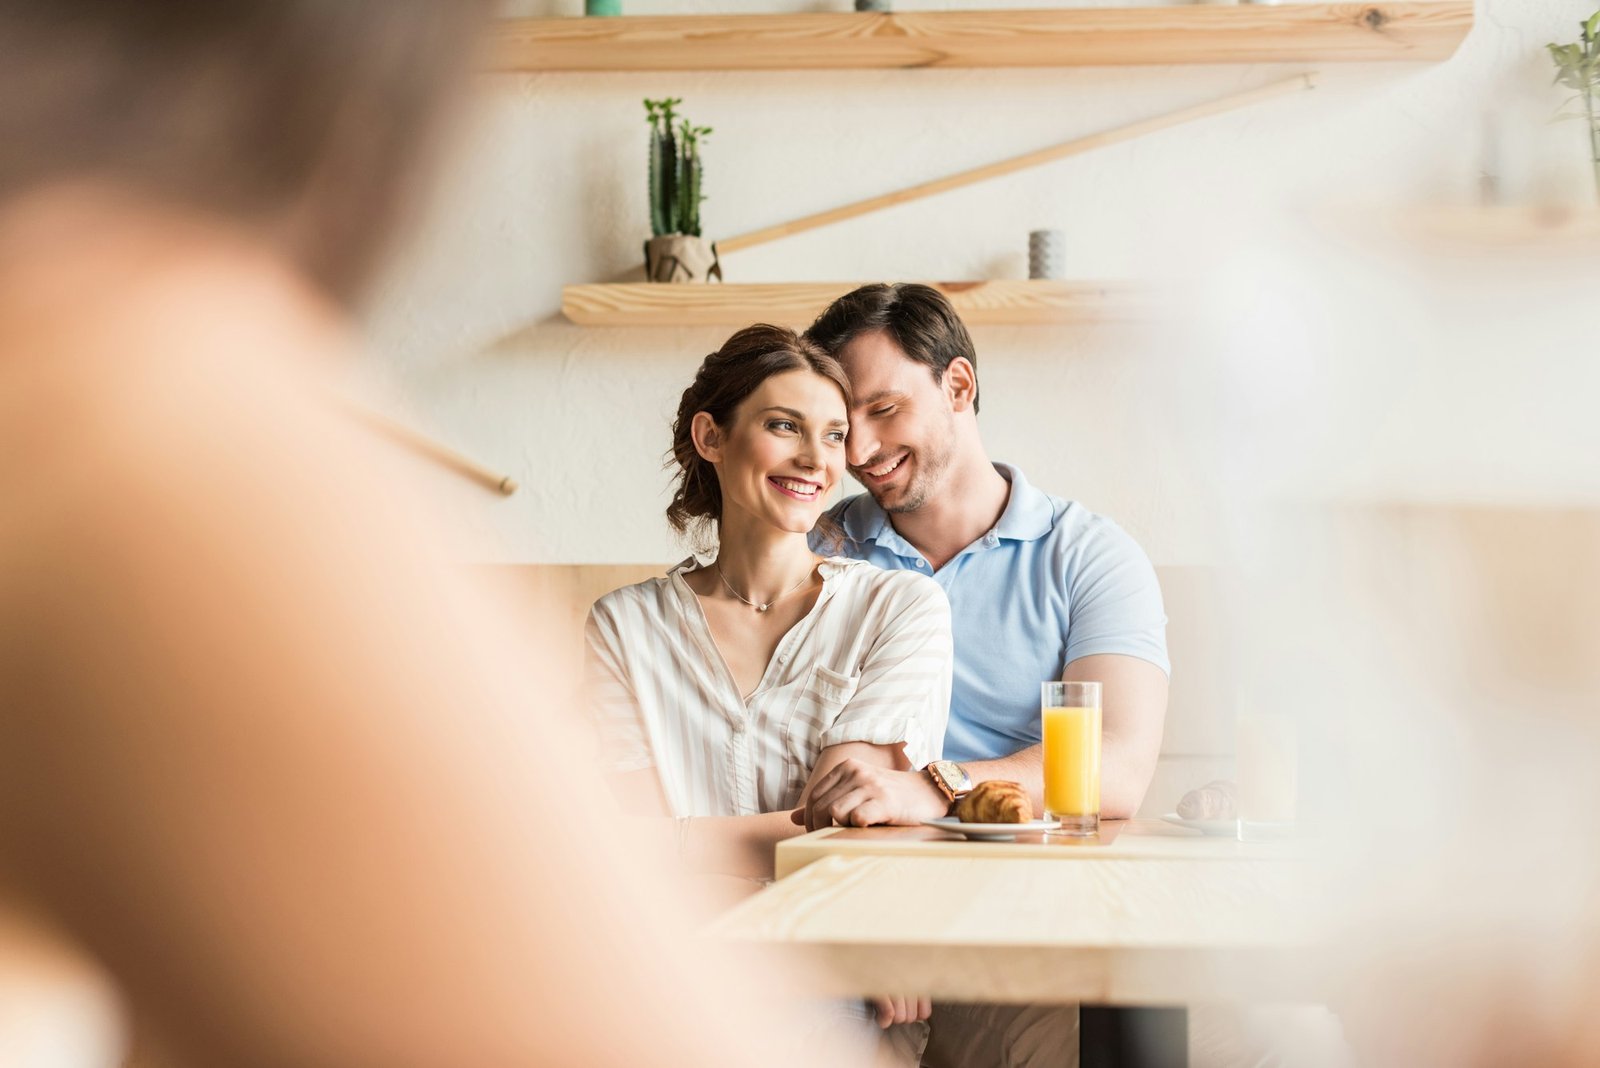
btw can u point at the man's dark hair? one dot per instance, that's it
(918, 318)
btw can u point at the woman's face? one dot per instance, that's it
(783, 452)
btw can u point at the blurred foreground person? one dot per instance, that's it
(261, 756)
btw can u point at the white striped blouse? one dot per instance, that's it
(869, 663)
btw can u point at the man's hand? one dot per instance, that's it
(891, 1011)
(857, 794)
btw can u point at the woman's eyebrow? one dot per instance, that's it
(800, 416)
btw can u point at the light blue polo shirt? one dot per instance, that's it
(1051, 582)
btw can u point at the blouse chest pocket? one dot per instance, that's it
(816, 707)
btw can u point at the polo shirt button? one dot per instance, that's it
(990, 540)
(922, 563)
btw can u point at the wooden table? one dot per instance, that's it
(1138, 839)
(1151, 915)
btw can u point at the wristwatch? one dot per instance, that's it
(951, 779)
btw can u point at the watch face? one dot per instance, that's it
(952, 775)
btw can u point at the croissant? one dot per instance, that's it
(995, 802)
(1214, 801)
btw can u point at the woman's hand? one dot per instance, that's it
(891, 1011)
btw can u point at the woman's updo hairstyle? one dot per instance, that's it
(725, 379)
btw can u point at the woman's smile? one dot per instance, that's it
(798, 488)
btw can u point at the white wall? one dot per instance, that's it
(467, 332)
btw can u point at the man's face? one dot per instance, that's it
(902, 428)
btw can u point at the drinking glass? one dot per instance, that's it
(1268, 776)
(1071, 728)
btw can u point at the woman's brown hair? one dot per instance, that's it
(725, 379)
(302, 118)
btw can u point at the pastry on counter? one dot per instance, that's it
(995, 802)
(1216, 800)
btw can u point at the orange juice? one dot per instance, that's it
(1071, 761)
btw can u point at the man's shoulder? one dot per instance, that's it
(1083, 544)
(857, 509)
(1078, 527)
(848, 528)
(1094, 560)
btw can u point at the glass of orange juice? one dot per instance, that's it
(1071, 714)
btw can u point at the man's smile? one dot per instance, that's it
(882, 471)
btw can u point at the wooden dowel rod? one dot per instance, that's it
(433, 450)
(1017, 163)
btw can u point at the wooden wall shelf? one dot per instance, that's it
(797, 304)
(1288, 33)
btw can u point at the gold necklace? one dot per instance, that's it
(753, 604)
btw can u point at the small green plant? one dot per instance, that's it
(1578, 68)
(674, 169)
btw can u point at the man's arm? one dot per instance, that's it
(1133, 696)
(1134, 709)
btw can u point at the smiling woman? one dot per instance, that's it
(730, 377)
(724, 689)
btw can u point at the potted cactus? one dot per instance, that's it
(676, 252)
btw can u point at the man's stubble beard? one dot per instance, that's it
(930, 468)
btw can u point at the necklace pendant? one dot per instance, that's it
(762, 607)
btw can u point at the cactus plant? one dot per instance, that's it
(675, 169)
(658, 211)
(689, 194)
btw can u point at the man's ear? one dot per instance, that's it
(707, 437)
(961, 384)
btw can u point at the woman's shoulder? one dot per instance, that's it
(869, 580)
(652, 598)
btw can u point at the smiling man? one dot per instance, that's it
(1040, 588)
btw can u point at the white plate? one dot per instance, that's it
(992, 832)
(1219, 828)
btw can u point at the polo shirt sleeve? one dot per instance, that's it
(609, 696)
(1115, 601)
(902, 694)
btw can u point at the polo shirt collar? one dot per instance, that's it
(1029, 515)
(864, 521)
